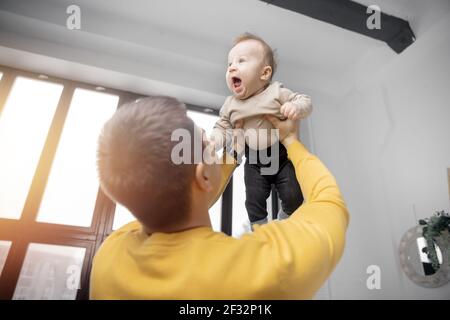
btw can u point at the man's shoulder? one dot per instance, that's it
(124, 231)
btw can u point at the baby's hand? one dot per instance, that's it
(290, 111)
(239, 124)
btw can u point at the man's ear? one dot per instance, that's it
(266, 73)
(203, 177)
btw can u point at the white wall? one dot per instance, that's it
(387, 141)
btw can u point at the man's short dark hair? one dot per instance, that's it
(135, 166)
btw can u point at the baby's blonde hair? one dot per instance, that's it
(269, 57)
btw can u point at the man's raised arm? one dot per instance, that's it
(311, 241)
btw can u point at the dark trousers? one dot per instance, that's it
(258, 187)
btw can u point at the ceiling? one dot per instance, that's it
(180, 47)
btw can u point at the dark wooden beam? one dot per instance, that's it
(353, 16)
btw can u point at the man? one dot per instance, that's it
(172, 252)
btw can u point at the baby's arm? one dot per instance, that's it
(294, 106)
(222, 127)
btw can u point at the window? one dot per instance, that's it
(121, 217)
(53, 214)
(50, 272)
(241, 223)
(203, 120)
(73, 184)
(24, 125)
(4, 249)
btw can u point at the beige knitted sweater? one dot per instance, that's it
(253, 110)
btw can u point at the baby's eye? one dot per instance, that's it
(229, 64)
(241, 60)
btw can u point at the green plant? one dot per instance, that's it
(433, 228)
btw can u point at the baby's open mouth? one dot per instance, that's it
(236, 82)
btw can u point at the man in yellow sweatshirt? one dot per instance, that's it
(171, 252)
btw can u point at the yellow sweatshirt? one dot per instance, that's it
(288, 259)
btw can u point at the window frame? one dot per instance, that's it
(26, 229)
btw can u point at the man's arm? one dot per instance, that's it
(309, 244)
(222, 127)
(228, 164)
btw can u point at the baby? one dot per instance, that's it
(251, 66)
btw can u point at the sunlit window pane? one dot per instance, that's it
(206, 122)
(24, 124)
(72, 186)
(4, 249)
(203, 120)
(50, 272)
(122, 216)
(215, 214)
(240, 220)
(1, 76)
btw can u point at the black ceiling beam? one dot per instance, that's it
(352, 16)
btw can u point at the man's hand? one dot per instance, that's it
(288, 129)
(291, 111)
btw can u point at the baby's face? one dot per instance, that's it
(245, 73)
